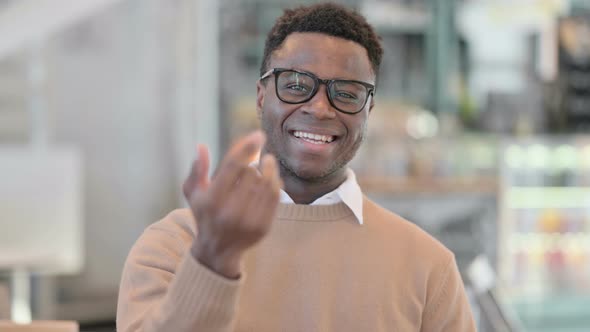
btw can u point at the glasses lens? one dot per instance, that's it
(294, 87)
(348, 96)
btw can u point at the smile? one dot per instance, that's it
(314, 138)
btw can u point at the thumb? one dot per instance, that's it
(198, 178)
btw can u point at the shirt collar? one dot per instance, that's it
(349, 192)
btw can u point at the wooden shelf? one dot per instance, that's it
(404, 185)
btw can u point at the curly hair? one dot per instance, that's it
(327, 18)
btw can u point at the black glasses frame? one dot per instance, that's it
(277, 71)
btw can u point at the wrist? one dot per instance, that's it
(225, 264)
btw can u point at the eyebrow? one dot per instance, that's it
(316, 75)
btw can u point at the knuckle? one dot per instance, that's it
(229, 217)
(251, 172)
(249, 178)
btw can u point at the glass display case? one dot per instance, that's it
(544, 231)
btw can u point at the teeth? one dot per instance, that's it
(315, 137)
(313, 141)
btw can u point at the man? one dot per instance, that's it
(333, 260)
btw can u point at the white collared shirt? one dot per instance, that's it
(348, 192)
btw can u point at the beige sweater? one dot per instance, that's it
(317, 270)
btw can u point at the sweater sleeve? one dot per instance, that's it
(447, 308)
(163, 288)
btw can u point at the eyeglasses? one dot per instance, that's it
(297, 87)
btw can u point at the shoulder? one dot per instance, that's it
(404, 236)
(179, 224)
(166, 240)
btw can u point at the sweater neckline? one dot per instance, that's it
(302, 212)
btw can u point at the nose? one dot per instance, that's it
(319, 106)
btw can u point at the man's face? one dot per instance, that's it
(287, 125)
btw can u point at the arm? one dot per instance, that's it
(164, 288)
(447, 308)
(192, 285)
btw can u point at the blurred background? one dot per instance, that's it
(480, 135)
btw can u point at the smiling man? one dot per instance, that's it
(293, 244)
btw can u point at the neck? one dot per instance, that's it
(304, 191)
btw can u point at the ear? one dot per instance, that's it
(372, 103)
(260, 94)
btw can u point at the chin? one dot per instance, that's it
(309, 175)
(309, 172)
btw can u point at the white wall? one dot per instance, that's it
(112, 93)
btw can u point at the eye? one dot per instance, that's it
(297, 87)
(348, 92)
(345, 95)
